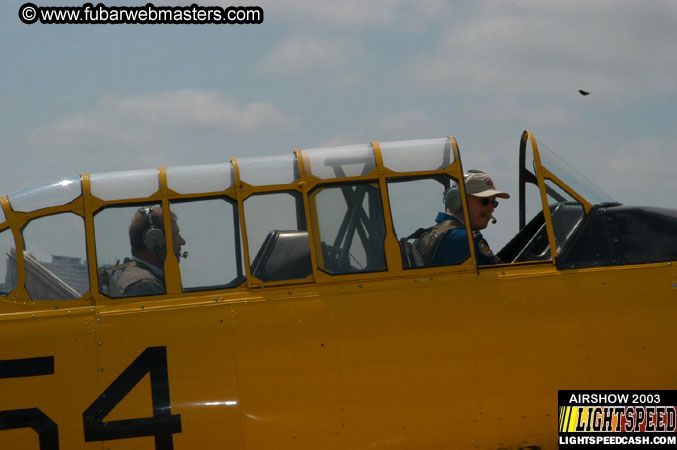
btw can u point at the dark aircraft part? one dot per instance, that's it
(622, 235)
(519, 242)
(607, 236)
(531, 243)
(284, 255)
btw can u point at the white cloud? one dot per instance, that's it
(409, 124)
(187, 111)
(149, 130)
(194, 108)
(337, 61)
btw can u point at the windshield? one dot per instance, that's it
(572, 177)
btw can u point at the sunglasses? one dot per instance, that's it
(485, 202)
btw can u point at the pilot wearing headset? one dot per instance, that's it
(481, 197)
(143, 273)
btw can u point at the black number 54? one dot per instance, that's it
(162, 425)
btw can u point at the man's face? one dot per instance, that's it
(480, 214)
(177, 239)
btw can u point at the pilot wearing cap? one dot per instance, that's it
(481, 197)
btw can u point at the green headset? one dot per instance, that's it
(153, 237)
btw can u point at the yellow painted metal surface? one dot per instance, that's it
(437, 357)
(200, 362)
(66, 336)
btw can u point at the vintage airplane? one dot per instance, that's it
(298, 321)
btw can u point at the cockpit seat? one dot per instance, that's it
(284, 255)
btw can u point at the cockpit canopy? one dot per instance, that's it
(311, 216)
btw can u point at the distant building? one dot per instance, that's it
(71, 270)
(63, 278)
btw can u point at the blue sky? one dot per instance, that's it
(84, 99)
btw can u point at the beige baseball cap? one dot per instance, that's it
(480, 184)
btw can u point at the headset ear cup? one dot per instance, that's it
(153, 239)
(452, 199)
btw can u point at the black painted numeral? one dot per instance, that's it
(48, 431)
(27, 367)
(162, 425)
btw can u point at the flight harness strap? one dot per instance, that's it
(427, 240)
(108, 277)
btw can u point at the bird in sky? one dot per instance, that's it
(583, 93)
